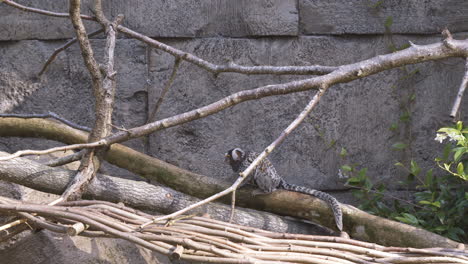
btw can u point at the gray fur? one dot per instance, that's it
(268, 180)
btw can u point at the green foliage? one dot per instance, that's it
(458, 134)
(440, 203)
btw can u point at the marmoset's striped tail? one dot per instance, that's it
(330, 200)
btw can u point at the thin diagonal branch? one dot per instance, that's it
(461, 91)
(85, 45)
(62, 48)
(243, 175)
(168, 85)
(311, 105)
(216, 69)
(67, 159)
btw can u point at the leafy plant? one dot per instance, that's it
(460, 135)
(440, 203)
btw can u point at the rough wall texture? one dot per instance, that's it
(357, 115)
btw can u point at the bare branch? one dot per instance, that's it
(51, 150)
(461, 91)
(152, 116)
(216, 69)
(43, 12)
(448, 39)
(62, 48)
(246, 172)
(345, 73)
(195, 205)
(104, 93)
(67, 159)
(311, 105)
(87, 168)
(85, 174)
(85, 45)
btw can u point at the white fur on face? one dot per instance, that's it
(237, 154)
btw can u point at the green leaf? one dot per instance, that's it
(447, 166)
(415, 169)
(381, 188)
(429, 178)
(362, 173)
(440, 229)
(460, 169)
(459, 125)
(388, 22)
(447, 150)
(424, 202)
(458, 153)
(412, 97)
(405, 117)
(448, 130)
(353, 181)
(441, 216)
(399, 164)
(368, 185)
(399, 146)
(346, 168)
(408, 218)
(343, 152)
(394, 126)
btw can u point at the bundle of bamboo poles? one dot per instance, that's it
(201, 239)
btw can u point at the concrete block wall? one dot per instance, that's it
(356, 115)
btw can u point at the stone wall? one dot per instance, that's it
(357, 116)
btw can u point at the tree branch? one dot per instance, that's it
(43, 12)
(152, 116)
(211, 67)
(137, 194)
(104, 93)
(232, 67)
(254, 164)
(62, 48)
(461, 91)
